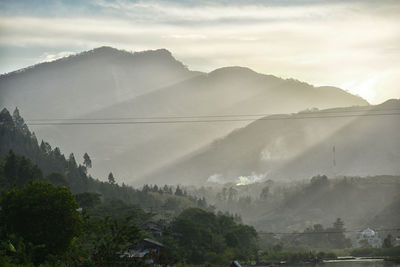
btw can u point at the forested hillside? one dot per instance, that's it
(16, 137)
(98, 225)
(43, 222)
(274, 206)
(113, 212)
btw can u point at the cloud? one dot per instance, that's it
(324, 43)
(241, 180)
(47, 57)
(250, 179)
(207, 13)
(242, 12)
(187, 36)
(217, 178)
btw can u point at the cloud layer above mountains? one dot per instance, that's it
(351, 44)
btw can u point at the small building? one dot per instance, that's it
(149, 244)
(369, 238)
(146, 249)
(154, 228)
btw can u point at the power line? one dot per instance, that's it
(327, 232)
(210, 116)
(275, 117)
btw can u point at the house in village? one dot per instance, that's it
(368, 238)
(147, 249)
(154, 228)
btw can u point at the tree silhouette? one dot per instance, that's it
(87, 161)
(387, 242)
(111, 178)
(43, 215)
(72, 161)
(178, 191)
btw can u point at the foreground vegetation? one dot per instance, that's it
(391, 253)
(53, 213)
(313, 256)
(42, 225)
(41, 222)
(287, 256)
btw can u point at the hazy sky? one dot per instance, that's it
(351, 44)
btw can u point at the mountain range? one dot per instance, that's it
(356, 141)
(109, 85)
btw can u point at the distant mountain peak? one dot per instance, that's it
(391, 103)
(108, 50)
(161, 52)
(158, 56)
(105, 49)
(232, 70)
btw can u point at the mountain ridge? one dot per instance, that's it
(90, 80)
(270, 148)
(104, 51)
(107, 83)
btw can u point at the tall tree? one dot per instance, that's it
(57, 179)
(339, 225)
(387, 242)
(45, 147)
(111, 178)
(19, 122)
(18, 170)
(87, 161)
(72, 161)
(110, 237)
(43, 215)
(178, 191)
(336, 235)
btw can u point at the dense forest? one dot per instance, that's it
(53, 213)
(276, 206)
(41, 223)
(60, 170)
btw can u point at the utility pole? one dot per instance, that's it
(334, 160)
(334, 156)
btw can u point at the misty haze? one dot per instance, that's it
(181, 133)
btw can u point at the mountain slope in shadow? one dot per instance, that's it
(299, 146)
(107, 83)
(75, 85)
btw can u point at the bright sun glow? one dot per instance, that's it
(365, 88)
